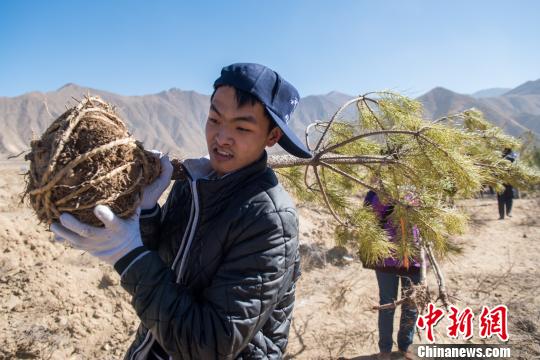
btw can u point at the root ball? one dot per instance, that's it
(85, 158)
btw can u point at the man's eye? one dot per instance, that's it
(243, 129)
(212, 120)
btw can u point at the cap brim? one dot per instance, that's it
(289, 141)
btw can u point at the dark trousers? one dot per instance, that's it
(388, 288)
(504, 200)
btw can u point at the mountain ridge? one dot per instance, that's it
(527, 88)
(491, 92)
(516, 111)
(173, 120)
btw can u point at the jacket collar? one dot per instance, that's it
(200, 169)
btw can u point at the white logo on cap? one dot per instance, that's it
(293, 102)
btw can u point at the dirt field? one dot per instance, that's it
(58, 303)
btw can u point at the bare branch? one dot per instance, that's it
(325, 197)
(19, 154)
(371, 111)
(348, 176)
(443, 296)
(372, 133)
(338, 112)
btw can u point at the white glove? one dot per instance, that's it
(152, 192)
(110, 243)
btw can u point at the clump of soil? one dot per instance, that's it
(85, 158)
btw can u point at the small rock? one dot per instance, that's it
(8, 265)
(312, 256)
(107, 280)
(12, 303)
(526, 325)
(336, 255)
(61, 320)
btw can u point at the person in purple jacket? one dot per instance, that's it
(389, 272)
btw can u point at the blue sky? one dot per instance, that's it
(141, 47)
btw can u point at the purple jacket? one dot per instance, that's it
(383, 213)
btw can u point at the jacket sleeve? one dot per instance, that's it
(149, 225)
(254, 275)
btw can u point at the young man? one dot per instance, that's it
(213, 272)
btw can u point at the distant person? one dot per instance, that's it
(389, 272)
(212, 273)
(505, 198)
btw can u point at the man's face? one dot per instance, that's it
(236, 136)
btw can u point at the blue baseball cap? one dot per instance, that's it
(278, 96)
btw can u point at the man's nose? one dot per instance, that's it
(223, 137)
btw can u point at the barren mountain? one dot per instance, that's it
(517, 111)
(173, 120)
(159, 120)
(528, 88)
(492, 92)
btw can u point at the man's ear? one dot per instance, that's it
(274, 136)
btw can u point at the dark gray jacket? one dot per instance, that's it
(216, 277)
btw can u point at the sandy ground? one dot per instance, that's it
(58, 303)
(499, 265)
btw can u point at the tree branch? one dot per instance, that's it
(325, 197)
(443, 295)
(372, 133)
(334, 117)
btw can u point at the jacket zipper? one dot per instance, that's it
(193, 217)
(146, 340)
(191, 230)
(182, 243)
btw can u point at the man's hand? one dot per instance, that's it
(110, 243)
(152, 192)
